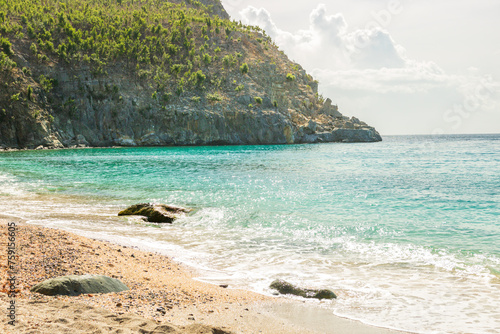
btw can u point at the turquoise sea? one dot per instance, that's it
(405, 231)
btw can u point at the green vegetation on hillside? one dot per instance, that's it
(64, 61)
(156, 39)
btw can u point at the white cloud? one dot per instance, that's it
(328, 44)
(373, 48)
(364, 59)
(318, 46)
(367, 65)
(413, 77)
(330, 28)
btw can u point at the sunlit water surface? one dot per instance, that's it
(406, 231)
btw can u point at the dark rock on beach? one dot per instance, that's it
(75, 285)
(286, 288)
(155, 213)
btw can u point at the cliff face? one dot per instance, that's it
(230, 85)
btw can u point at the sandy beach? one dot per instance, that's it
(164, 297)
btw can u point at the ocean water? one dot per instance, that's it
(405, 231)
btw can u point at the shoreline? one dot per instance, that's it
(156, 282)
(78, 147)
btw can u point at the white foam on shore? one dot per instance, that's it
(388, 285)
(10, 186)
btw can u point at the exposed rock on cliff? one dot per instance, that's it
(146, 76)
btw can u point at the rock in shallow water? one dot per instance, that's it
(286, 288)
(155, 213)
(75, 285)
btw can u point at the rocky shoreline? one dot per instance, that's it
(362, 135)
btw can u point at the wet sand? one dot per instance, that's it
(164, 297)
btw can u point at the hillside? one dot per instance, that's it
(153, 72)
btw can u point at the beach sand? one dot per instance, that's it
(163, 296)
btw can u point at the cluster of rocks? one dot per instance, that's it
(75, 285)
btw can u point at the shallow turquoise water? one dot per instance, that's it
(408, 225)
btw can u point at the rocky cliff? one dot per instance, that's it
(143, 74)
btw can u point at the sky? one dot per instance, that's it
(402, 66)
